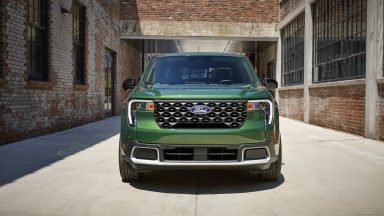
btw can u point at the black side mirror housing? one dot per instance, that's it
(129, 83)
(270, 84)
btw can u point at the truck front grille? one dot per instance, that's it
(200, 154)
(223, 114)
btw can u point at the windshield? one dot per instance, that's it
(200, 69)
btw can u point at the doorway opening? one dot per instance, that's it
(109, 82)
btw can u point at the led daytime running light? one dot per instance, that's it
(256, 105)
(134, 105)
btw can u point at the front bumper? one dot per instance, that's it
(271, 149)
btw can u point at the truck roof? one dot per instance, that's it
(202, 54)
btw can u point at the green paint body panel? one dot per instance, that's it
(147, 130)
(200, 91)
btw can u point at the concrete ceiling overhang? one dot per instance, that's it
(160, 37)
(229, 46)
(145, 29)
(200, 45)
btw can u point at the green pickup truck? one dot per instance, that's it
(200, 111)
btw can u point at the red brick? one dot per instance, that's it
(291, 103)
(201, 10)
(381, 111)
(30, 108)
(340, 108)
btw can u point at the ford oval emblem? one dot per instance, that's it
(200, 109)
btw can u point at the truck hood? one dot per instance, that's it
(200, 91)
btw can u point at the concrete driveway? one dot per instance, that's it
(75, 172)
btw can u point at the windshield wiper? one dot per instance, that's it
(152, 83)
(226, 82)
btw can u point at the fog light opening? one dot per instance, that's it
(145, 153)
(255, 154)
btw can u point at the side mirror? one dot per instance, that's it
(270, 84)
(129, 84)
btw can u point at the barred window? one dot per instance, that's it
(293, 52)
(339, 32)
(78, 29)
(37, 40)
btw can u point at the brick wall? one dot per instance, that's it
(31, 108)
(264, 11)
(3, 15)
(338, 107)
(291, 103)
(129, 66)
(287, 6)
(111, 7)
(381, 111)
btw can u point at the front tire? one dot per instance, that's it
(126, 172)
(274, 172)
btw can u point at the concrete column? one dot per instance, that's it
(374, 66)
(278, 65)
(308, 35)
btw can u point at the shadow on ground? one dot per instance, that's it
(203, 182)
(25, 157)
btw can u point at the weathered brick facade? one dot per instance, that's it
(338, 107)
(381, 111)
(27, 107)
(347, 103)
(3, 53)
(129, 66)
(264, 11)
(291, 103)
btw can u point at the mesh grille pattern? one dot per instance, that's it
(223, 114)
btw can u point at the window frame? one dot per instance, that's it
(79, 42)
(339, 40)
(37, 61)
(292, 55)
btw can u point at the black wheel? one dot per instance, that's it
(274, 172)
(126, 172)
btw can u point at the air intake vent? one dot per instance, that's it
(183, 154)
(219, 154)
(200, 154)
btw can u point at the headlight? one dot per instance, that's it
(262, 105)
(137, 105)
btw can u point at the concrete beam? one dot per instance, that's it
(278, 66)
(374, 44)
(131, 29)
(308, 35)
(162, 37)
(298, 10)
